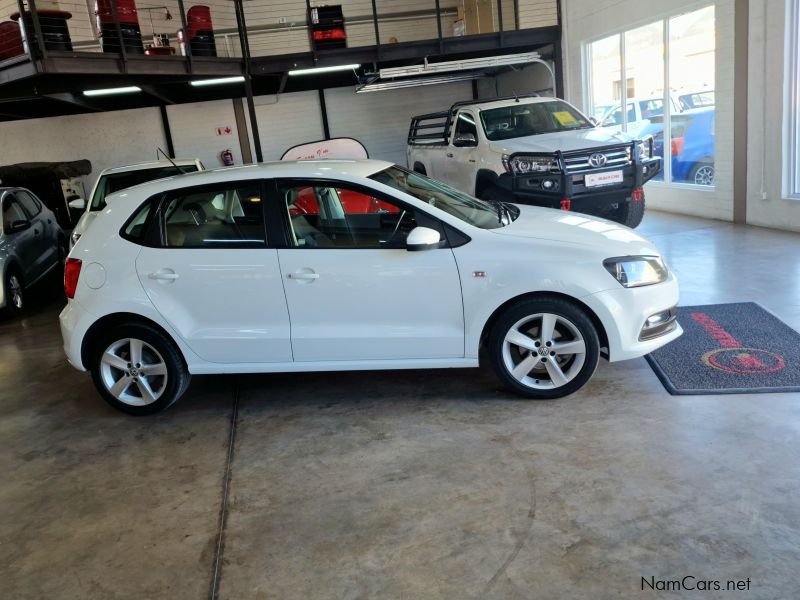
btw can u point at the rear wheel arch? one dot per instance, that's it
(420, 168)
(107, 322)
(498, 312)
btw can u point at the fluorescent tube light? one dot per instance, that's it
(315, 70)
(219, 81)
(131, 89)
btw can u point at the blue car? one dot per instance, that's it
(691, 146)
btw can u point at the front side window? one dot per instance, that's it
(334, 216)
(457, 204)
(533, 118)
(114, 182)
(12, 211)
(465, 125)
(220, 217)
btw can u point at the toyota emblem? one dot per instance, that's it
(597, 160)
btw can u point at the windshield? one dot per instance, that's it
(458, 204)
(521, 120)
(114, 182)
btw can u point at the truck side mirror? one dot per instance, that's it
(465, 140)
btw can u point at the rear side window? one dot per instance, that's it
(136, 229)
(218, 217)
(31, 205)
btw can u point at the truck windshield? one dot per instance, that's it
(521, 120)
(458, 204)
(114, 182)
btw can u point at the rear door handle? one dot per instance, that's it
(164, 275)
(449, 155)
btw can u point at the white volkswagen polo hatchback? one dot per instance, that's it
(345, 265)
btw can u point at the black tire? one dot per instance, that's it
(177, 377)
(564, 310)
(702, 173)
(14, 292)
(629, 213)
(492, 193)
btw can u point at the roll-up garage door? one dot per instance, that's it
(294, 119)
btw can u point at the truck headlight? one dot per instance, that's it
(521, 165)
(636, 271)
(644, 148)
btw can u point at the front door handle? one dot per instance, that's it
(164, 275)
(449, 155)
(303, 276)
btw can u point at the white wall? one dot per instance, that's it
(765, 202)
(106, 139)
(287, 120)
(587, 20)
(193, 127)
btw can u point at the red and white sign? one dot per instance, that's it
(333, 148)
(224, 130)
(607, 178)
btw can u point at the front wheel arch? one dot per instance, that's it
(485, 178)
(598, 324)
(115, 320)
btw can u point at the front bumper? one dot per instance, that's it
(551, 188)
(624, 313)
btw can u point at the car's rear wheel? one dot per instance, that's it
(544, 348)
(14, 291)
(702, 174)
(138, 370)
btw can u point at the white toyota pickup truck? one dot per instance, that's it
(535, 150)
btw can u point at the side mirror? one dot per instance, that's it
(78, 204)
(465, 139)
(17, 226)
(422, 238)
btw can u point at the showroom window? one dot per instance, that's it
(663, 74)
(793, 100)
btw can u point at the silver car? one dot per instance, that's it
(32, 244)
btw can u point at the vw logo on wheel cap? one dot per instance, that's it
(597, 160)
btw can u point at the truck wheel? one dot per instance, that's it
(629, 213)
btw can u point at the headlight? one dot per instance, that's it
(520, 165)
(643, 148)
(75, 237)
(636, 271)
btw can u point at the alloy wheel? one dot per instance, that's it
(15, 287)
(704, 175)
(544, 351)
(133, 371)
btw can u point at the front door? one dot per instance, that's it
(25, 242)
(214, 279)
(354, 292)
(461, 156)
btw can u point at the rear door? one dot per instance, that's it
(44, 237)
(213, 276)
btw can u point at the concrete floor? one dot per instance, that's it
(410, 485)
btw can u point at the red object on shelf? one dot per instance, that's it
(330, 34)
(159, 51)
(10, 40)
(126, 12)
(198, 18)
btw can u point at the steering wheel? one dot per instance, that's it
(397, 227)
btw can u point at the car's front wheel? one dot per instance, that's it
(14, 291)
(544, 348)
(138, 370)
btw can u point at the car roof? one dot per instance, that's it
(328, 168)
(181, 162)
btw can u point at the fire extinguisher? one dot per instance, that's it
(226, 156)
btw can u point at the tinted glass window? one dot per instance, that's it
(520, 120)
(12, 211)
(29, 203)
(114, 182)
(323, 216)
(220, 217)
(465, 124)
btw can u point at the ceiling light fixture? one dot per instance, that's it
(315, 70)
(219, 81)
(131, 89)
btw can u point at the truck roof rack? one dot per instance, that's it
(434, 128)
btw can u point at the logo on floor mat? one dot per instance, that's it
(731, 356)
